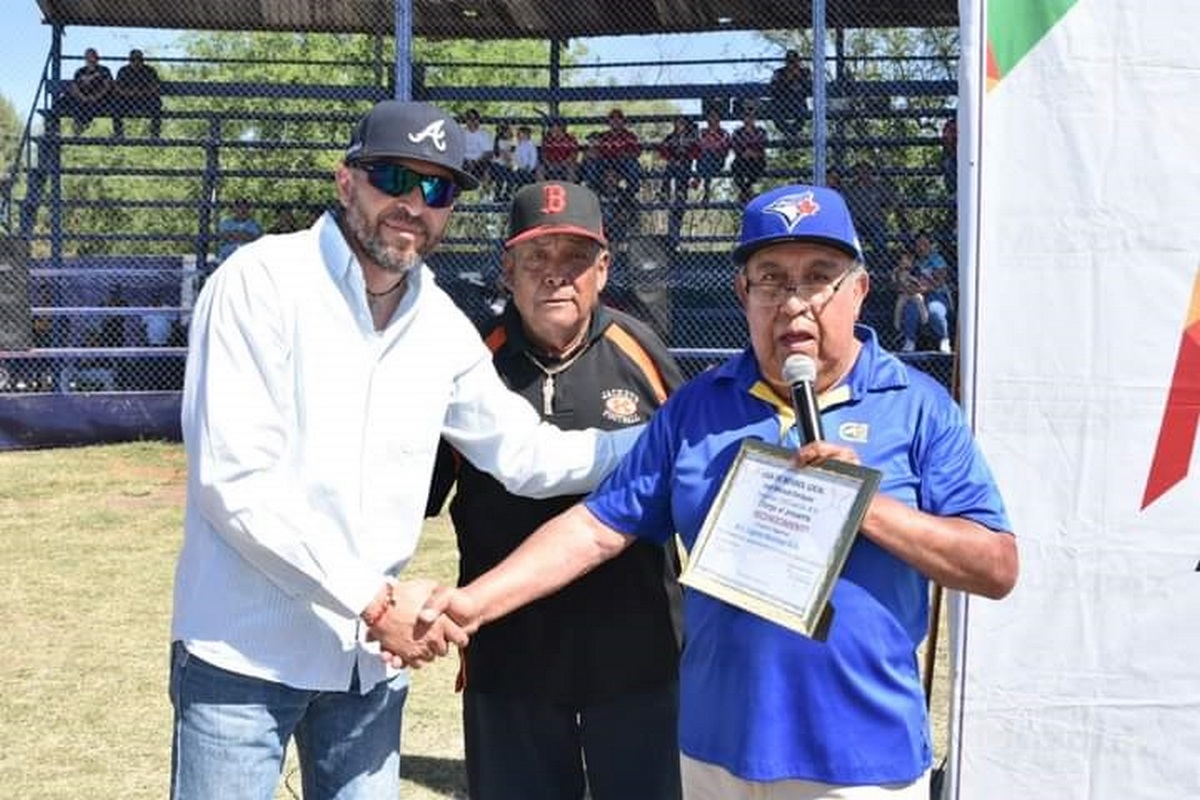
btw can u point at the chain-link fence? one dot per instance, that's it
(134, 179)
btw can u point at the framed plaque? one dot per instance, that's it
(777, 535)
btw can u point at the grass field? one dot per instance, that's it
(89, 538)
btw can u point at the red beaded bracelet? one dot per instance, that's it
(388, 602)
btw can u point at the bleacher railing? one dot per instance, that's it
(110, 236)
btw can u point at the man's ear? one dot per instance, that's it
(602, 265)
(342, 177)
(863, 281)
(739, 287)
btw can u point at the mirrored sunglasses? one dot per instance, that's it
(397, 180)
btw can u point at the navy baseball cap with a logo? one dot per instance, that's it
(420, 131)
(797, 214)
(555, 207)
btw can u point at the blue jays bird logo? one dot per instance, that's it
(794, 207)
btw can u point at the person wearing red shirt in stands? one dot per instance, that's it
(560, 153)
(619, 150)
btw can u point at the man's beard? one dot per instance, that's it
(387, 257)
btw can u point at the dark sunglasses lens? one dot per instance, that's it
(396, 180)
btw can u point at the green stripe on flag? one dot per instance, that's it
(1015, 26)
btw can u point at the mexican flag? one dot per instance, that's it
(1080, 233)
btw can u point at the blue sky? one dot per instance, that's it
(25, 41)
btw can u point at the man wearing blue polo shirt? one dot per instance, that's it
(764, 712)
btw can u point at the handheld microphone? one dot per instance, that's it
(800, 372)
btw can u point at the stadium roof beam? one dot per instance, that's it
(497, 19)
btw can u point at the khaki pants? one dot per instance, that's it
(704, 781)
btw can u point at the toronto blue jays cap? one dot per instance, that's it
(420, 131)
(797, 214)
(555, 207)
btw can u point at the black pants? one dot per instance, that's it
(522, 748)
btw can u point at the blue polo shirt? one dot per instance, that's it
(763, 702)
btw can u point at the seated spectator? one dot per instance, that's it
(525, 158)
(87, 95)
(678, 149)
(932, 275)
(790, 86)
(502, 164)
(136, 94)
(712, 149)
(478, 147)
(618, 205)
(620, 150)
(560, 153)
(749, 146)
(234, 231)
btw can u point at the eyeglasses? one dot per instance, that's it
(397, 180)
(814, 294)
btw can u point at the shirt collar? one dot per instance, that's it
(875, 370)
(344, 268)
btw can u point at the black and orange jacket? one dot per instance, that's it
(615, 630)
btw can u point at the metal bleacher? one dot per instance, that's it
(100, 266)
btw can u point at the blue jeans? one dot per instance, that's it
(939, 310)
(231, 731)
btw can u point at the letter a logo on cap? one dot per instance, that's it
(554, 199)
(435, 131)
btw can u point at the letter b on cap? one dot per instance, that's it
(554, 199)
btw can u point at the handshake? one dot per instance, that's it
(416, 621)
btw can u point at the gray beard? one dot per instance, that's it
(359, 229)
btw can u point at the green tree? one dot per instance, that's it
(10, 135)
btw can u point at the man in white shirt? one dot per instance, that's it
(479, 147)
(324, 366)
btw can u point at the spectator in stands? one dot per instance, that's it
(480, 148)
(137, 94)
(525, 158)
(87, 95)
(790, 86)
(322, 371)
(933, 282)
(620, 149)
(501, 168)
(949, 157)
(870, 201)
(237, 229)
(766, 712)
(579, 689)
(711, 151)
(678, 149)
(560, 153)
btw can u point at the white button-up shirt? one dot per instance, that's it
(310, 441)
